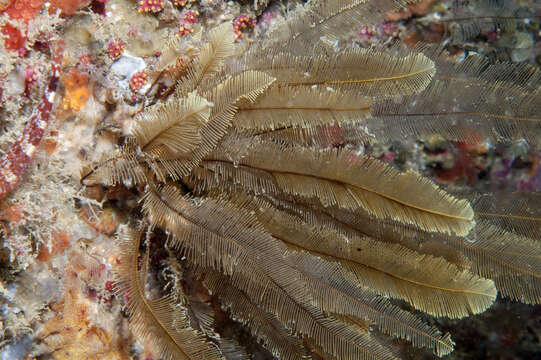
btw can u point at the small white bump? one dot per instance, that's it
(42, 124)
(8, 175)
(29, 149)
(51, 96)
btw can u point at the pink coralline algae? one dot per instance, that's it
(242, 22)
(138, 80)
(30, 79)
(191, 17)
(389, 29)
(85, 59)
(366, 32)
(184, 29)
(150, 6)
(115, 49)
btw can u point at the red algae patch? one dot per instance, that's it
(24, 10)
(14, 40)
(67, 7)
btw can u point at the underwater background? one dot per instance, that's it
(57, 298)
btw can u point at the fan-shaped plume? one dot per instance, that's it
(122, 168)
(517, 212)
(157, 321)
(321, 136)
(168, 133)
(173, 129)
(328, 20)
(346, 180)
(368, 72)
(245, 86)
(503, 108)
(253, 277)
(211, 58)
(232, 350)
(265, 326)
(351, 225)
(255, 264)
(218, 48)
(387, 268)
(339, 294)
(290, 107)
(513, 261)
(174, 49)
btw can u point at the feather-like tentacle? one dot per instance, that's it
(265, 326)
(370, 73)
(245, 248)
(349, 181)
(173, 129)
(469, 101)
(158, 321)
(329, 20)
(389, 269)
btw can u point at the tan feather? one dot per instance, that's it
(329, 20)
(440, 289)
(338, 293)
(352, 134)
(505, 106)
(333, 232)
(227, 235)
(256, 263)
(174, 49)
(369, 72)
(265, 326)
(124, 167)
(210, 60)
(513, 261)
(287, 107)
(245, 86)
(349, 181)
(157, 321)
(173, 129)
(516, 212)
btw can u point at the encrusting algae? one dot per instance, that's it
(77, 92)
